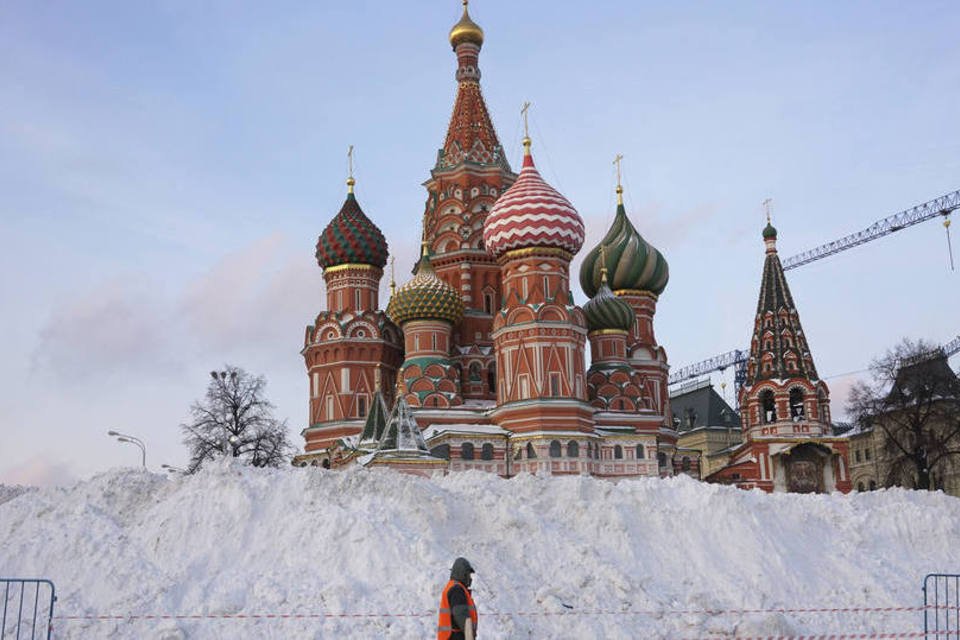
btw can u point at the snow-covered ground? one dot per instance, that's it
(556, 557)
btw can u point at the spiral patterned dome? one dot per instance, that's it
(425, 297)
(351, 238)
(607, 311)
(633, 263)
(531, 213)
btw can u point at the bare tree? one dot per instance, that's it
(235, 419)
(913, 400)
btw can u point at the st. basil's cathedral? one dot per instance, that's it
(479, 361)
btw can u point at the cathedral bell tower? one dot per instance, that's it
(470, 173)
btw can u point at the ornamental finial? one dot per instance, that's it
(393, 275)
(350, 180)
(603, 264)
(766, 208)
(617, 160)
(526, 128)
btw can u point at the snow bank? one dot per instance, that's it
(234, 540)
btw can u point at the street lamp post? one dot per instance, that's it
(123, 437)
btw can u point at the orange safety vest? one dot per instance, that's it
(445, 627)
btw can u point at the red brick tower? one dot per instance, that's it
(470, 173)
(352, 349)
(539, 334)
(785, 407)
(637, 275)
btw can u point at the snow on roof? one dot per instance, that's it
(434, 430)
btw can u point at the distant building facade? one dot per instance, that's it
(705, 424)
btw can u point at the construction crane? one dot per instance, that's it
(942, 207)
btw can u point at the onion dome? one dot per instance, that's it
(769, 232)
(607, 311)
(425, 297)
(633, 262)
(351, 237)
(466, 30)
(531, 213)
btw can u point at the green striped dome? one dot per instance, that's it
(426, 297)
(607, 311)
(632, 262)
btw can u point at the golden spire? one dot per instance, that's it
(603, 264)
(617, 162)
(393, 275)
(526, 128)
(350, 180)
(466, 30)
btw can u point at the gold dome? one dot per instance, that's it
(466, 30)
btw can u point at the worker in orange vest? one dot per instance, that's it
(458, 615)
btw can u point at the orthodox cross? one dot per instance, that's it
(617, 162)
(350, 161)
(523, 112)
(766, 207)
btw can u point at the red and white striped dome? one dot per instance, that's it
(531, 213)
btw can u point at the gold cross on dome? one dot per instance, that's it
(617, 160)
(350, 161)
(523, 112)
(766, 207)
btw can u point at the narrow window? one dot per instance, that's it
(357, 300)
(618, 452)
(555, 384)
(866, 454)
(344, 380)
(524, 387)
(441, 451)
(466, 451)
(486, 451)
(362, 406)
(768, 407)
(685, 464)
(492, 377)
(340, 299)
(433, 340)
(573, 449)
(316, 383)
(546, 288)
(554, 448)
(329, 413)
(639, 452)
(856, 455)
(531, 453)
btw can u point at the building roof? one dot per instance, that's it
(701, 407)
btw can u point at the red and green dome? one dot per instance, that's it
(351, 238)
(632, 262)
(426, 297)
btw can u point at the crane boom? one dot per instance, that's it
(942, 206)
(736, 357)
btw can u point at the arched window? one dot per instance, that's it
(662, 459)
(492, 377)
(618, 452)
(466, 451)
(441, 451)
(873, 485)
(486, 451)
(859, 486)
(573, 449)
(685, 463)
(474, 372)
(768, 407)
(639, 452)
(555, 448)
(531, 453)
(796, 404)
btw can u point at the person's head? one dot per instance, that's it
(462, 571)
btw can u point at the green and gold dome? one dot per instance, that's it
(425, 297)
(606, 311)
(632, 262)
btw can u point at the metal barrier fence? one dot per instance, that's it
(941, 602)
(27, 607)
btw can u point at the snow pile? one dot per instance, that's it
(656, 554)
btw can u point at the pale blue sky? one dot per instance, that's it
(166, 167)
